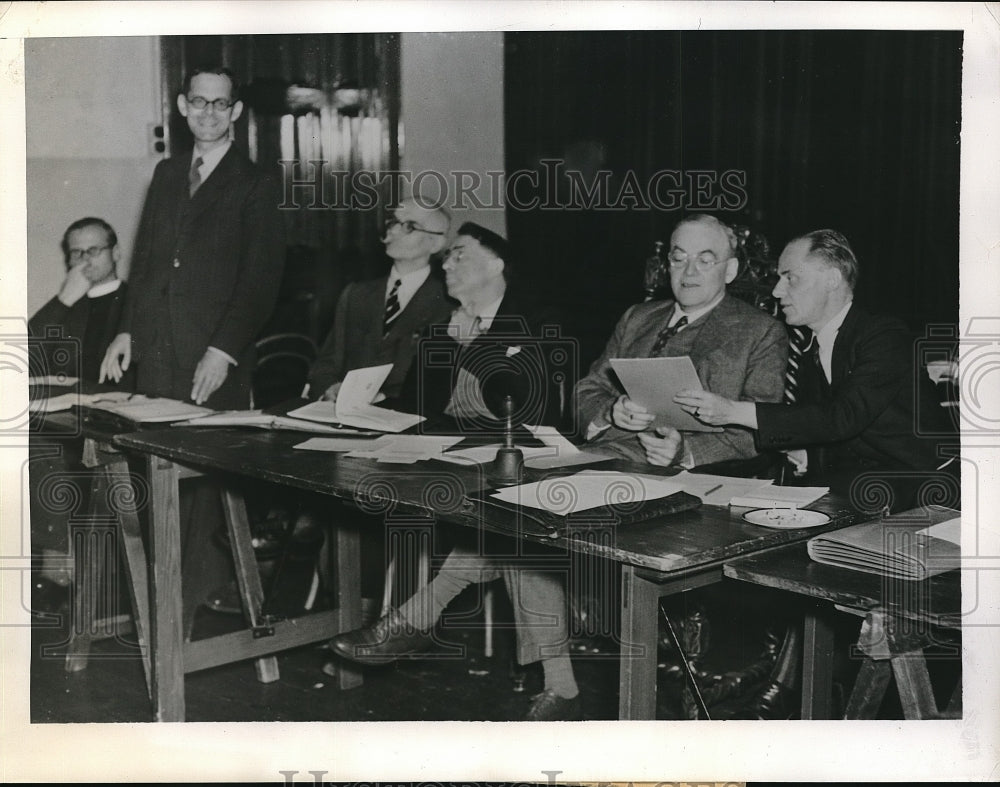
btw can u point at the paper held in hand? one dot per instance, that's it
(354, 404)
(653, 383)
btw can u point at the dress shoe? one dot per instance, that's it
(391, 637)
(549, 706)
(774, 702)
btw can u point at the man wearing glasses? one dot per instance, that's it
(89, 302)
(208, 260)
(377, 321)
(738, 351)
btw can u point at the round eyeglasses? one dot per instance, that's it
(408, 226)
(200, 102)
(78, 254)
(703, 262)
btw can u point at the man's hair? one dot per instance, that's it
(836, 251)
(707, 218)
(234, 92)
(489, 240)
(111, 237)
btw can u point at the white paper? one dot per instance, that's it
(949, 530)
(53, 379)
(653, 383)
(335, 444)
(53, 404)
(718, 490)
(587, 489)
(780, 497)
(143, 409)
(406, 449)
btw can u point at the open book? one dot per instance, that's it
(911, 545)
(354, 404)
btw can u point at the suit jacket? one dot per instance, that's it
(356, 339)
(865, 418)
(739, 352)
(520, 355)
(89, 324)
(205, 273)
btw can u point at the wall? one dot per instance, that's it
(89, 104)
(452, 110)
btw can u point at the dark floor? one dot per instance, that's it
(464, 687)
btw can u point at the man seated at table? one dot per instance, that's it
(82, 318)
(378, 321)
(89, 302)
(737, 350)
(853, 425)
(487, 342)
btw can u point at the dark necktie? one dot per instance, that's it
(666, 335)
(800, 343)
(194, 176)
(391, 306)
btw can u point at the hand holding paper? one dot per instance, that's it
(653, 383)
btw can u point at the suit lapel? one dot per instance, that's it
(715, 331)
(216, 183)
(842, 346)
(425, 302)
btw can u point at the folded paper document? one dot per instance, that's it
(354, 404)
(261, 420)
(780, 496)
(653, 383)
(901, 546)
(141, 409)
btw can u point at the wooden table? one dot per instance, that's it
(901, 617)
(658, 557)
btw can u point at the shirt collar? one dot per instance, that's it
(694, 314)
(828, 333)
(210, 160)
(104, 288)
(412, 279)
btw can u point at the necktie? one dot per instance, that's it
(799, 344)
(391, 306)
(194, 176)
(666, 334)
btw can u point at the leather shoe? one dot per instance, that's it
(549, 706)
(774, 702)
(391, 637)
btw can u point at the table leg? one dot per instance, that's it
(817, 667)
(165, 604)
(347, 570)
(639, 630)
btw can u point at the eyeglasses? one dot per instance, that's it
(78, 254)
(703, 262)
(200, 102)
(408, 227)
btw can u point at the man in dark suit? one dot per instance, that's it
(486, 343)
(207, 262)
(377, 321)
(853, 425)
(88, 305)
(737, 350)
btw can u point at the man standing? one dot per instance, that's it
(377, 321)
(207, 263)
(854, 418)
(89, 303)
(737, 350)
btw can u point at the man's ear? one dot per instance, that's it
(833, 277)
(732, 268)
(237, 111)
(116, 255)
(182, 104)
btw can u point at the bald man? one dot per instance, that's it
(378, 321)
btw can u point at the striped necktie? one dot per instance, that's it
(391, 307)
(194, 176)
(666, 335)
(800, 343)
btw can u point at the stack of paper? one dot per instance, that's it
(354, 404)
(587, 489)
(142, 409)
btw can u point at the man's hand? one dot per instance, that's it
(715, 410)
(626, 414)
(662, 448)
(117, 358)
(75, 285)
(209, 375)
(330, 394)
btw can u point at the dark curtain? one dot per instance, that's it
(853, 130)
(343, 110)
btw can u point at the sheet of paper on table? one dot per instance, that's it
(142, 409)
(54, 404)
(406, 449)
(261, 420)
(718, 490)
(354, 404)
(950, 530)
(587, 489)
(653, 383)
(780, 497)
(341, 444)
